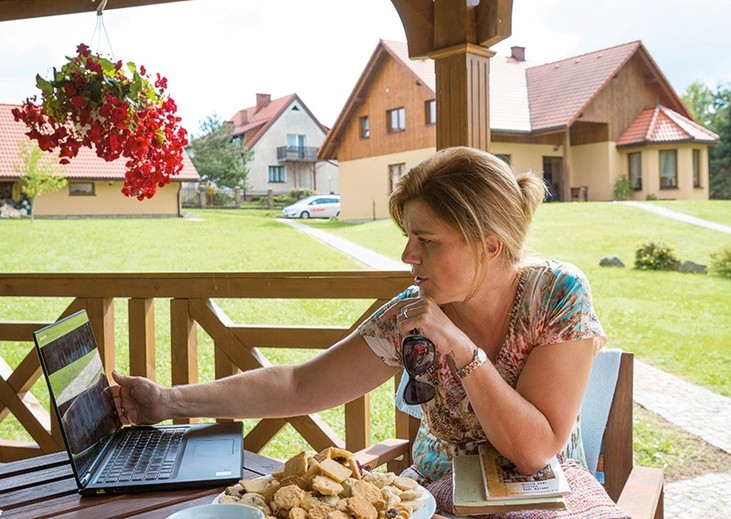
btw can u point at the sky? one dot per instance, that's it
(218, 54)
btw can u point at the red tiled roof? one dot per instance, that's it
(253, 123)
(558, 91)
(660, 124)
(86, 165)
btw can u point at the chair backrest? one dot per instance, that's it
(615, 459)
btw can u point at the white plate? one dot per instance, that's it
(425, 512)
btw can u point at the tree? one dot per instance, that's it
(219, 157)
(39, 173)
(712, 109)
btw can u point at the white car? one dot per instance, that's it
(318, 206)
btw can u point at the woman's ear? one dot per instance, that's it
(494, 247)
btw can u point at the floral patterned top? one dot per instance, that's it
(552, 305)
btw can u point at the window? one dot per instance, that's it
(396, 120)
(365, 129)
(296, 141)
(81, 189)
(634, 166)
(668, 169)
(696, 168)
(430, 109)
(277, 174)
(395, 172)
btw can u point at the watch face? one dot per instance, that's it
(481, 355)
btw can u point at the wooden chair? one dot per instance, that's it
(637, 490)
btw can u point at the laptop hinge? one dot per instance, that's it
(85, 480)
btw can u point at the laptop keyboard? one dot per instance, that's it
(144, 455)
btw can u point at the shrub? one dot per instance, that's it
(721, 262)
(299, 194)
(651, 196)
(622, 188)
(652, 255)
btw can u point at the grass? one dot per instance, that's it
(677, 322)
(674, 321)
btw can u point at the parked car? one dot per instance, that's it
(318, 206)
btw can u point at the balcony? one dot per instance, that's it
(297, 154)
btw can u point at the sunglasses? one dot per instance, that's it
(418, 354)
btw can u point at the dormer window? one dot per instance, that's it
(396, 120)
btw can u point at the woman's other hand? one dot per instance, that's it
(138, 400)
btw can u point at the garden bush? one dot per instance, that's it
(721, 262)
(651, 255)
(622, 188)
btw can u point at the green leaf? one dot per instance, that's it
(44, 85)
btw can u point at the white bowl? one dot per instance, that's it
(218, 511)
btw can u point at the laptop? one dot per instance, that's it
(107, 457)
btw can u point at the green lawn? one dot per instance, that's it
(678, 322)
(718, 211)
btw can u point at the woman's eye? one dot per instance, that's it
(424, 241)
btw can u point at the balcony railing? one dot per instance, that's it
(296, 154)
(192, 303)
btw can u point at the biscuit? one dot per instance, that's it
(326, 486)
(411, 495)
(337, 514)
(297, 513)
(319, 511)
(235, 490)
(335, 470)
(228, 499)
(287, 498)
(369, 492)
(361, 508)
(256, 486)
(396, 512)
(405, 483)
(296, 465)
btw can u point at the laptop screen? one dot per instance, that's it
(77, 384)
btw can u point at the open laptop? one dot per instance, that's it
(109, 458)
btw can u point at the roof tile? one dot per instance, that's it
(661, 124)
(86, 165)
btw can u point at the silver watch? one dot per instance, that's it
(478, 359)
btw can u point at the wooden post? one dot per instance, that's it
(183, 347)
(457, 35)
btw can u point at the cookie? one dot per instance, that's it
(326, 486)
(361, 508)
(287, 498)
(405, 483)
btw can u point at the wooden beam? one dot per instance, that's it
(142, 337)
(22, 9)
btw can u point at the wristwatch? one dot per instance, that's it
(478, 359)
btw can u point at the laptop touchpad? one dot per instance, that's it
(208, 448)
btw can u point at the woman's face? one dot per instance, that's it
(440, 259)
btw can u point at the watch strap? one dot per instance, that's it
(478, 359)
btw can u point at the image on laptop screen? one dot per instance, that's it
(78, 387)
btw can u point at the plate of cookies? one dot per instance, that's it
(331, 485)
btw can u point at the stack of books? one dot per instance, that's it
(487, 483)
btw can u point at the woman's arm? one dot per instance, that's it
(531, 423)
(345, 371)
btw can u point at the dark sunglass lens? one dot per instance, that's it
(418, 353)
(417, 392)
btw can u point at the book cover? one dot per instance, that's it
(502, 479)
(470, 497)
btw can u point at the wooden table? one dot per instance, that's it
(43, 487)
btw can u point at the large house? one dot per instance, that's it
(284, 136)
(583, 122)
(94, 185)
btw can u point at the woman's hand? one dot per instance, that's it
(424, 315)
(138, 400)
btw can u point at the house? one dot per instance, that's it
(94, 185)
(284, 136)
(583, 122)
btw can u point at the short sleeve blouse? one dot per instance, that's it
(552, 305)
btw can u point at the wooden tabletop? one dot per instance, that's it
(45, 487)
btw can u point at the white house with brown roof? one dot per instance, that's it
(94, 185)
(284, 136)
(583, 122)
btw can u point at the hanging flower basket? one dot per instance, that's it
(116, 110)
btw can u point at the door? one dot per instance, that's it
(553, 176)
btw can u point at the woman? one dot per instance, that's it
(514, 338)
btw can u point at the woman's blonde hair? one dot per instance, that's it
(478, 194)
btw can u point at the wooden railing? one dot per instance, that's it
(192, 303)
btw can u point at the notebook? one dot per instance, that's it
(107, 457)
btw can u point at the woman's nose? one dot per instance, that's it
(410, 254)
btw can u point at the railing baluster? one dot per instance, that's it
(183, 347)
(142, 337)
(358, 423)
(101, 316)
